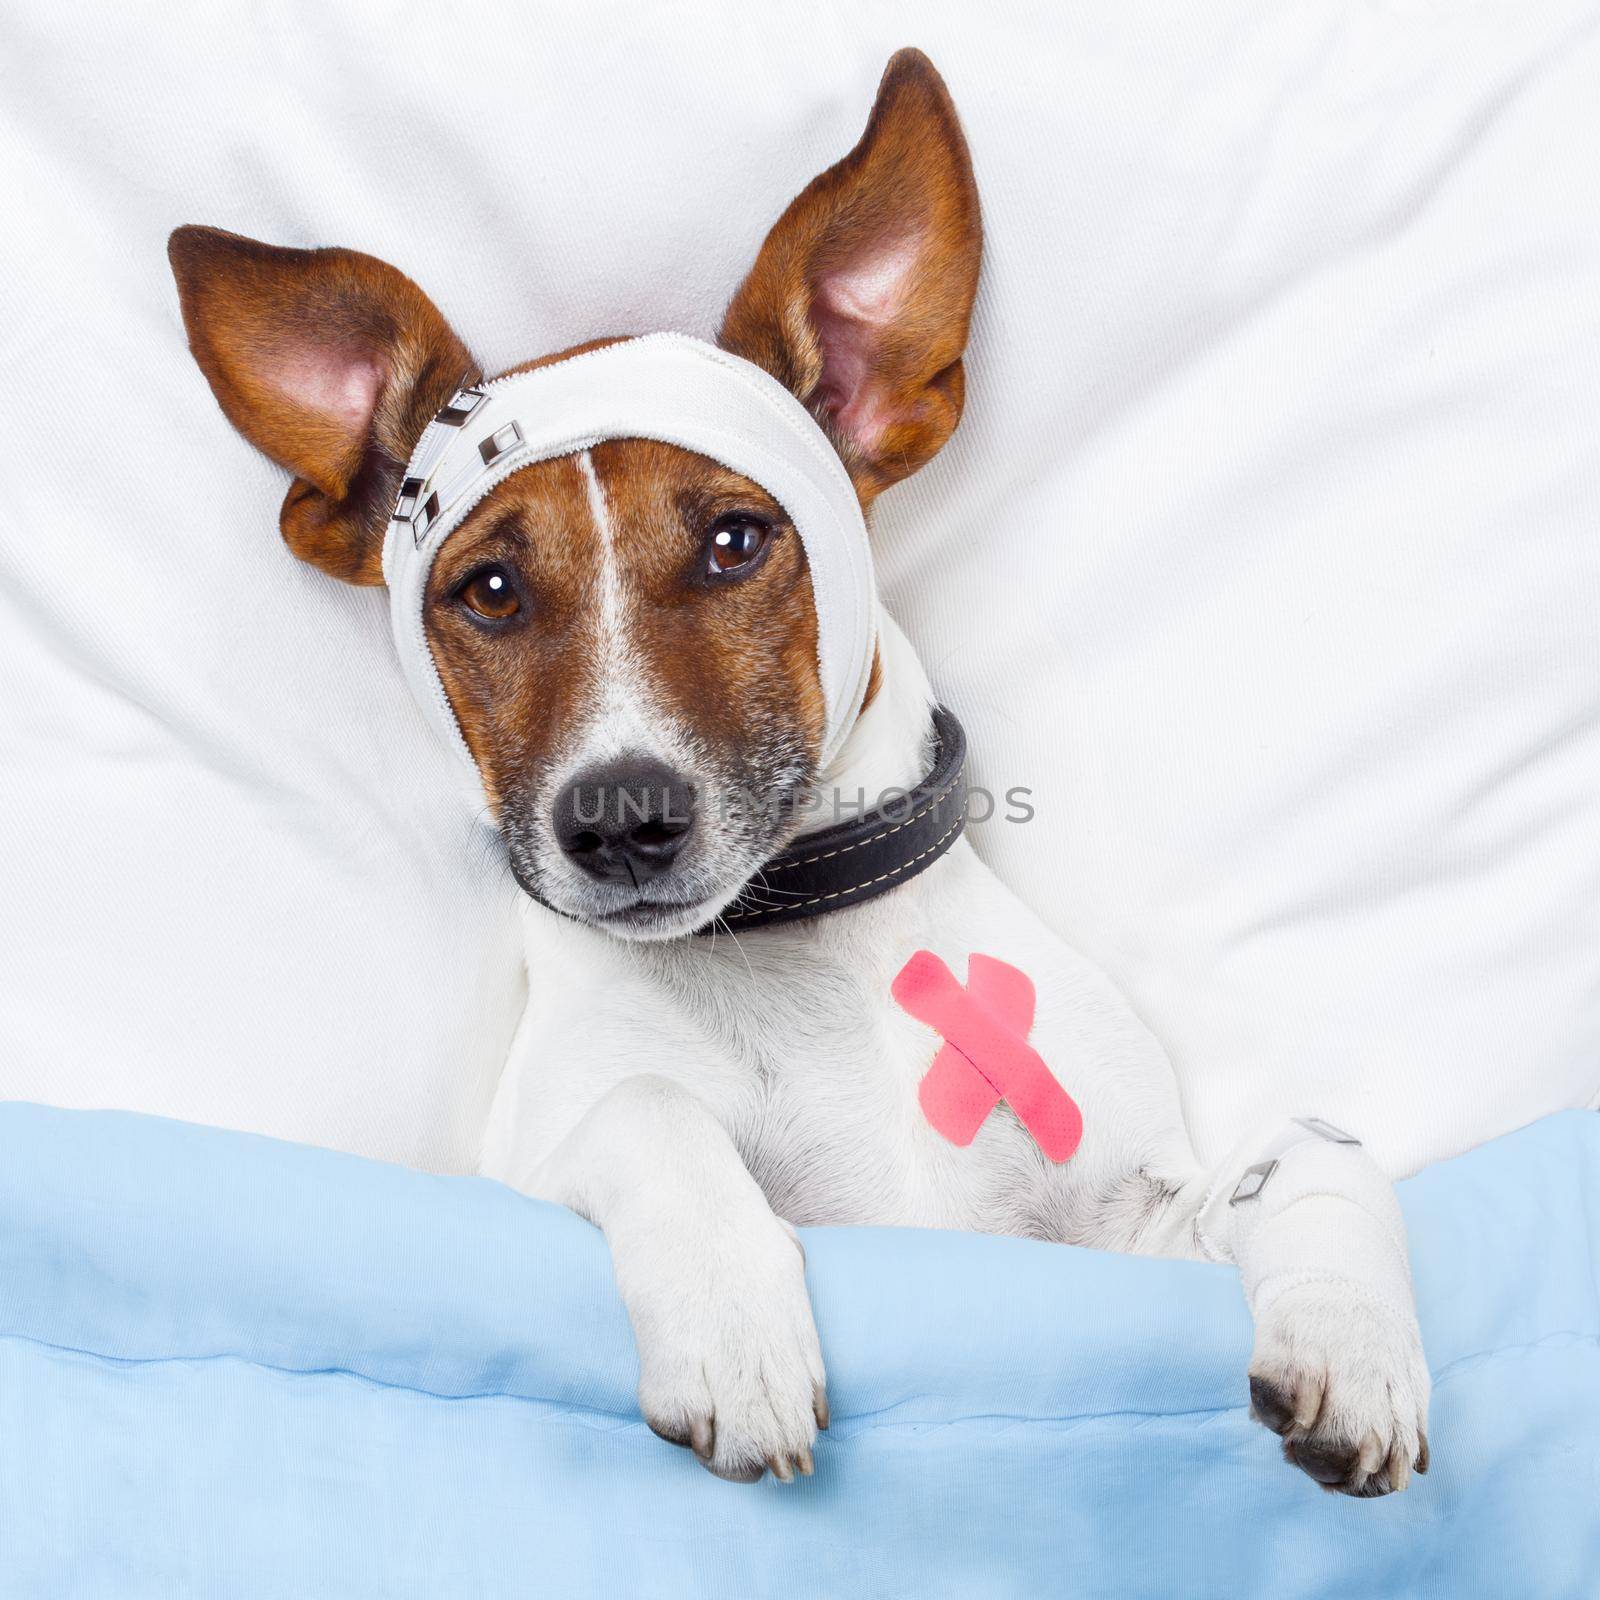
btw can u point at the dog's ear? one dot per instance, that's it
(861, 296)
(329, 362)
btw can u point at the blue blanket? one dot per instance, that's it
(236, 1368)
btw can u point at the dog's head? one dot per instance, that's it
(628, 637)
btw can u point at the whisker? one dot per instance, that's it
(765, 899)
(751, 971)
(767, 888)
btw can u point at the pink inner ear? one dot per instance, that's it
(342, 384)
(852, 309)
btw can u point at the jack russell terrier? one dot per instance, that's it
(631, 583)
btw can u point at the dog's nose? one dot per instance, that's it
(625, 821)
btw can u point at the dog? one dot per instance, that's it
(634, 621)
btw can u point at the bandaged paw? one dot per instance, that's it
(1338, 1370)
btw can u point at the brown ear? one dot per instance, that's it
(860, 298)
(329, 362)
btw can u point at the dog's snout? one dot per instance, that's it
(626, 821)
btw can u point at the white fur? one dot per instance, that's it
(687, 1095)
(628, 716)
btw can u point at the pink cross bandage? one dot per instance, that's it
(986, 1056)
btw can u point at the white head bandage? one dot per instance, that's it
(665, 387)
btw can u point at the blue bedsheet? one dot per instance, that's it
(231, 1367)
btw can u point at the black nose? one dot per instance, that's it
(624, 822)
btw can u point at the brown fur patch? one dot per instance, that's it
(874, 679)
(729, 656)
(513, 687)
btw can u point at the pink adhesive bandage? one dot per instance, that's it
(986, 1056)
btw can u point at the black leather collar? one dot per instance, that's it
(857, 860)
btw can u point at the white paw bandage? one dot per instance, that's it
(1310, 1208)
(665, 387)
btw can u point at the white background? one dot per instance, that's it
(1268, 554)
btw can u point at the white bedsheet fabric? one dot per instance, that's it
(1268, 555)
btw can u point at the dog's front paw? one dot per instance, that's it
(729, 1364)
(1342, 1379)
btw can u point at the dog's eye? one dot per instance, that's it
(491, 594)
(734, 544)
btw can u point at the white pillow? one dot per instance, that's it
(1268, 555)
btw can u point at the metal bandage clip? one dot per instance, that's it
(500, 443)
(417, 504)
(463, 403)
(411, 506)
(1254, 1178)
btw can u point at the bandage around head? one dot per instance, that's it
(664, 387)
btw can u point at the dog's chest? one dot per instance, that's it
(830, 1124)
(826, 1109)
